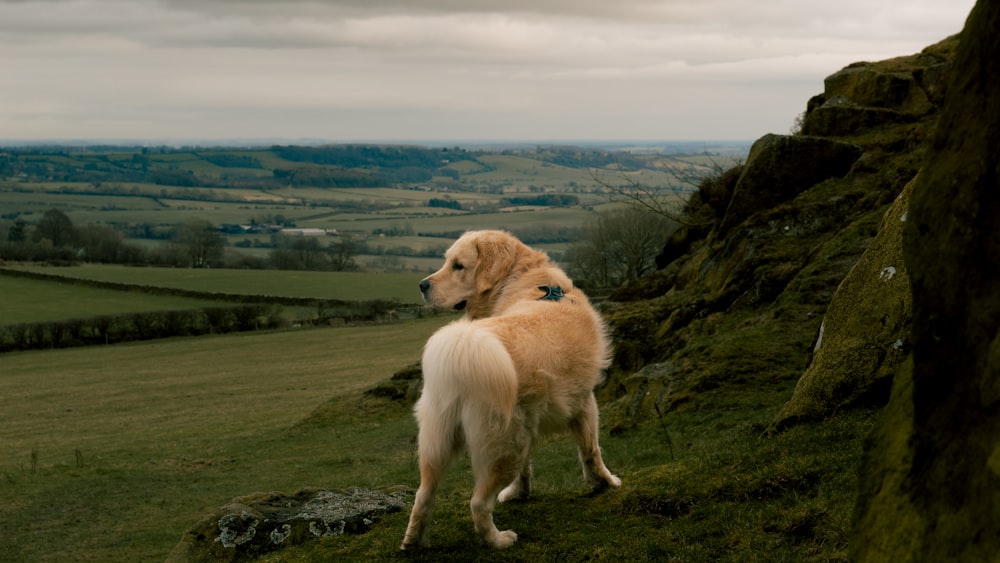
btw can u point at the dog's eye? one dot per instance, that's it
(457, 266)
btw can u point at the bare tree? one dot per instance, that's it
(342, 253)
(667, 198)
(619, 246)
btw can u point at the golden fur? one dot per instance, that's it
(514, 366)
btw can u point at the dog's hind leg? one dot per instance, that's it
(585, 428)
(491, 475)
(439, 440)
(496, 461)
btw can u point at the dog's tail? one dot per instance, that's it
(466, 364)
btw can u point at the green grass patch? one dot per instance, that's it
(32, 301)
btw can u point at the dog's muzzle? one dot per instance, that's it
(425, 288)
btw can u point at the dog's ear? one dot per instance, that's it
(500, 255)
(496, 257)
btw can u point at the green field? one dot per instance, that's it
(346, 286)
(33, 301)
(132, 443)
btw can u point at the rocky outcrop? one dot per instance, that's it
(865, 334)
(256, 524)
(930, 486)
(868, 95)
(746, 285)
(780, 167)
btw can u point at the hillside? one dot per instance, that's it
(745, 286)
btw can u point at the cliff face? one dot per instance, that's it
(747, 292)
(930, 488)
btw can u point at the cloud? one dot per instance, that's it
(539, 68)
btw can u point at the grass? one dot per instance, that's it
(135, 442)
(110, 453)
(31, 301)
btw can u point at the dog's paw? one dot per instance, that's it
(503, 540)
(600, 484)
(512, 492)
(507, 494)
(413, 543)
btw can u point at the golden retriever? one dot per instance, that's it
(523, 360)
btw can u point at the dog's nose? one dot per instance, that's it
(425, 285)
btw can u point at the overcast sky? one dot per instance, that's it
(399, 70)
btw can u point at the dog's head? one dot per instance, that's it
(476, 266)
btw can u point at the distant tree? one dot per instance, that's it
(102, 244)
(342, 252)
(444, 203)
(17, 233)
(56, 227)
(199, 243)
(297, 253)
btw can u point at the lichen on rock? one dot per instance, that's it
(252, 525)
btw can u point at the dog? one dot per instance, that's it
(523, 360)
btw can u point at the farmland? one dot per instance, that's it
(374, 195)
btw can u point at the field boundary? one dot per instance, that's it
(383, 304)
(248, 312)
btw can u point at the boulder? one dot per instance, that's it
(865, 333)
(929, 488)
(256, 524)
(779, 167)
(867, 95)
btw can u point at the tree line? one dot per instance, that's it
(194, 243)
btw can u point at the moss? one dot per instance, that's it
(883, 482)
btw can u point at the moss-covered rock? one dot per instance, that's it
(870, 95)
(865, 332)
(930, 486)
